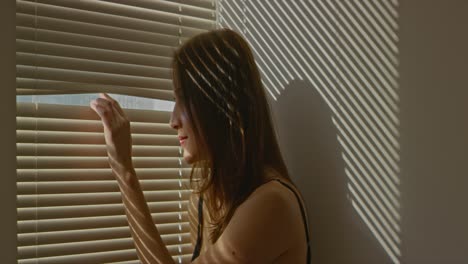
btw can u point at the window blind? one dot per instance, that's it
(69, 205)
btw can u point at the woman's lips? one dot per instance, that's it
(182, 140)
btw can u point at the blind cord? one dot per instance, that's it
(34, 99)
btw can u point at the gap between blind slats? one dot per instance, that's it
(66, 75)
(31, 149)
(61, 124)
(167, 223)
(87, 65)
(95, 186)
(25, 175)
(89, 247)
(84, 16)
(86, 113)
(44, 238)
(49, 200)
(91, 47)
(133, 12)
(63, 212)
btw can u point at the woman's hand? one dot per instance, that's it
(116, 132)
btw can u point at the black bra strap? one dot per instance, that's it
(197, 249)
(303, 212)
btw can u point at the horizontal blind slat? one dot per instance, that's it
(67, 75)
(82, 248)
(26, 136)
(80, 28)
(82, 174)
(93, 258)
(209, 4)
(28, 162)
(133, 12)
(95, 186)
(92, 47)
(62, 212)
(57, 237)
(171, 7)
(31, 149)
(35, 91)
(167, 223)
(183, 259)
(42, 87)
(61, 124)
(86, 113)
(87, 65)
(70, 199)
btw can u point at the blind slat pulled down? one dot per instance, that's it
(122, 47)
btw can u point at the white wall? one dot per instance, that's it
(329, 103)
(369, 99)
(434, 125)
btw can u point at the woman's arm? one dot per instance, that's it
(148, 242)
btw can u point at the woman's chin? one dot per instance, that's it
(189, 159)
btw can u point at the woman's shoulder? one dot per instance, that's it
(276, 195)
(265, 225)
(272, 189)
(282, 187)
(275, 183)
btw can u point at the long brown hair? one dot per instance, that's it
(216, 75)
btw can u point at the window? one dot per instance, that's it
(69, 205)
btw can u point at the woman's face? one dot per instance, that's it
(180, 122)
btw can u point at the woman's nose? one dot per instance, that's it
(173, 122)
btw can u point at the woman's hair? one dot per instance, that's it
(218, 81)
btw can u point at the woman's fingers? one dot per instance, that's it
(100, 111)
(116, 132)
(104, 109)
(114, 103)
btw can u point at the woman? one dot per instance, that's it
(244, 208)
